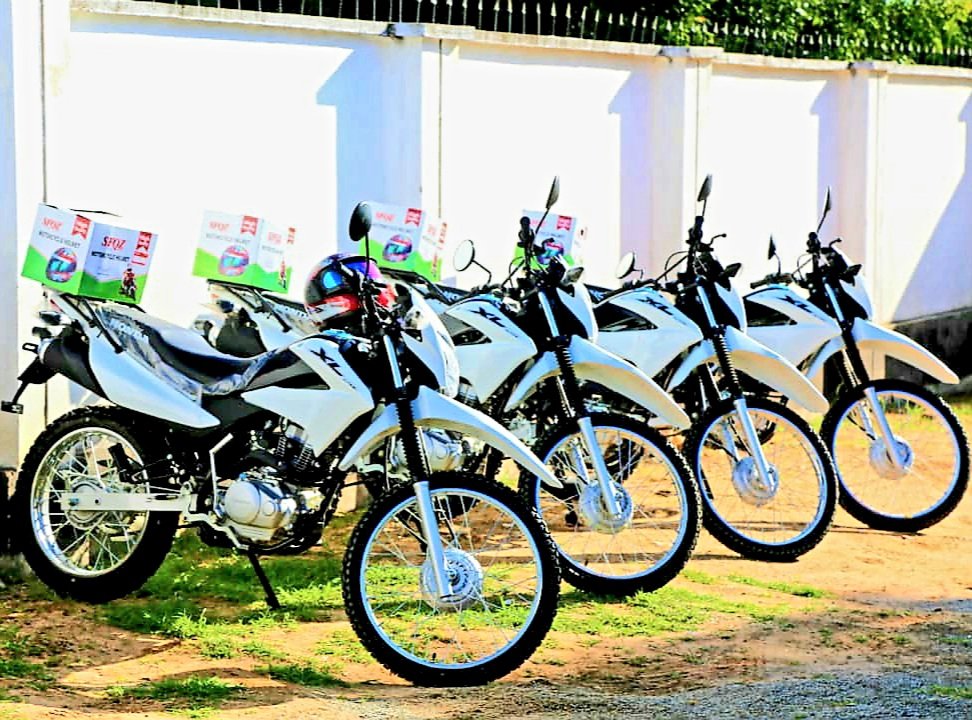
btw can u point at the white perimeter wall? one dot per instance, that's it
(157, 114)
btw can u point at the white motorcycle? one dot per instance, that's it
(627, 518)
(767, 483)
(901, 454)
(448, 580)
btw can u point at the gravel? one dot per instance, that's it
(847, 696)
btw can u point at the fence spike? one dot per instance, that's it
(539, 19)
(634, 26)
(583, 23)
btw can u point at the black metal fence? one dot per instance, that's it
(580, 20)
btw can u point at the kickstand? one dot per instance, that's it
(272, 600)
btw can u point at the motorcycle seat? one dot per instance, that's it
(295, 305)
(182, 349)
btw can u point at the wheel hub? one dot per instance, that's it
(881, 459)
(746, 480)
(465, 575)
(596, 516)
(83, 519)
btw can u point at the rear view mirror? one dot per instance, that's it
(554, 193)
(626, 265)
(360, 224)
(826, 209)
(706, 189)
(464, 256)
(772, 249)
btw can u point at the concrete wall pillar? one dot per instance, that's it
(677, 127)
(859, 194)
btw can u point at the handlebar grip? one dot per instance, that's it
(771, 279)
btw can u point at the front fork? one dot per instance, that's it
(418, 466)
(574, 409)
(741, 407)
(856, 373)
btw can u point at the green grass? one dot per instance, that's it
(195, 571)
(303, 674)
(783, 587)
(14, 651)
(962, 407)
(668, 610)
(195, 692)
(194, 576)
(962, 640)
(343, 645)
(699, 577)
(953, 692)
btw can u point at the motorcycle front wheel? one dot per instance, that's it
(776, 520)
(932, 474)
(502, 567)
(86, 555)
(649, 541)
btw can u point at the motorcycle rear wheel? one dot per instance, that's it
(89, 556)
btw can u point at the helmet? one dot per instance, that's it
(329, 297)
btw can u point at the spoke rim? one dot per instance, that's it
(763, 524)
(879, 493)
(83, 543)
(496, 597)
(578, 547)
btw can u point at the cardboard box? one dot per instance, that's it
(88, 254)
(244, 249)
(560, 235)
(405, 238)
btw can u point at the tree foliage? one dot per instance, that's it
(903, 30)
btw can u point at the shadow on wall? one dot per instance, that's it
(354, 91)
(948, 256)
(948, 251)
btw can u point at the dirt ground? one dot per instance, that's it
(878, 605)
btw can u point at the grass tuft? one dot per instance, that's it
(953, 692)
(195, 691)
(784, 587)
(668, 610)
(303, 674)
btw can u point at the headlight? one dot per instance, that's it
(415, 319)
(451, 362)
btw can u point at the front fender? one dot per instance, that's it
(759, 362)
(869, 336)
(431, 409)
(604, 368)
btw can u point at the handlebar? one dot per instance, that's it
(772, 278)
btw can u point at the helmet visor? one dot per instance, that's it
(332, 279)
